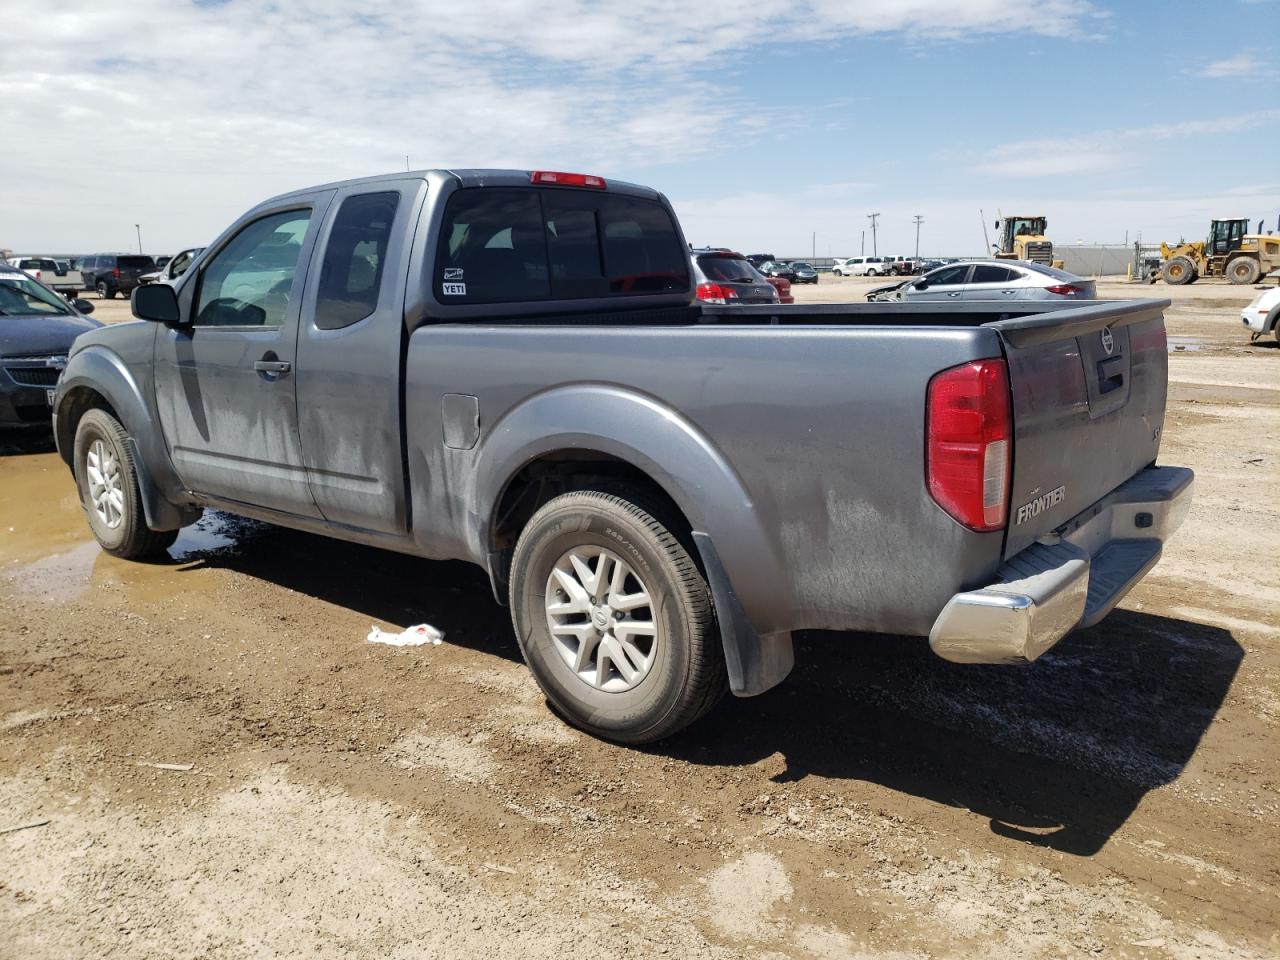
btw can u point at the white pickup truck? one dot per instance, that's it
(53, 275)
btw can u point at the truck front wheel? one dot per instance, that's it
(108, 483)
(1178, 271)
(614, 618)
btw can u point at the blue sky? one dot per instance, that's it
(764, 124)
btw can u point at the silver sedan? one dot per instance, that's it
(990, 280)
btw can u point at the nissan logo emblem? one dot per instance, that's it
(1108, 341)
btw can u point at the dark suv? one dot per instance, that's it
(113, 273)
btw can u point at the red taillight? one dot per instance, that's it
(116, 273)
(1066, 290)
(968, 435)
(714, 293)
(567, 179)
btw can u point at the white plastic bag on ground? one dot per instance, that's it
(417, 636)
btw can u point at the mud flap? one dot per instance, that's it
(159, 513)
(755, 663)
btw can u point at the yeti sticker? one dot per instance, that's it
(454, 289)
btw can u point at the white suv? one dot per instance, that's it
(862, 267)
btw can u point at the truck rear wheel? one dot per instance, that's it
(108, 483)
(1243, 270)
(1178, 271)
(614, 618)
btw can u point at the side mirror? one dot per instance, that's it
(156, 302)
(82, 306)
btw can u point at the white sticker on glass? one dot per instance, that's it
(453, 273)
(454, 289)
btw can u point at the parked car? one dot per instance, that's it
(37, 327)
(722, 276)
(112, 274)
(776, 268)
(805, 272)
(927, 265)
(861, 267)
(173, 268)
(757, 260)
(783, 287)
(511, 368)
(58, 277)
(1262, 316)
(990, 280)
(902, 267)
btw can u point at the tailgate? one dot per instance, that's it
(1089, 385)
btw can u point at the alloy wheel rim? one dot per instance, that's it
(106, 489)
(601, 619)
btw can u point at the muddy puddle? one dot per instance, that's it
(47, 551)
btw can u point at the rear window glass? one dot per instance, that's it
(354, 259)
(508, 245)
(728, 270)
(1052, 272)
(135, 263)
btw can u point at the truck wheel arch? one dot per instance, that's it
(598, 432)
(97, 379)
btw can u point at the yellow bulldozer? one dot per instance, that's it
(1023, 238)
(1231, 252)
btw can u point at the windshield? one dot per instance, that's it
(801, 265)
(24, 297)
(728, 270)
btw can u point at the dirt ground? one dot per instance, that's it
(343, 799)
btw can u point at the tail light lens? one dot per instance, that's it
(115, 272)
(1066, 290)
(715, 293)
(969, 432)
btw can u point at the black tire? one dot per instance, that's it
(687, 673)
(1178, 271)
(130, 537)
(102, 289)
(1243, 270)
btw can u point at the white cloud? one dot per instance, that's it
(1241, 65)
(1107, 150)
(179, 115)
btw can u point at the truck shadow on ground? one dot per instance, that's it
(1057, 754)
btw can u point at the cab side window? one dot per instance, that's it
(248, 282)
(354, 258)
(984, 273)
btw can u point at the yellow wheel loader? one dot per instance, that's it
(1023, 238)
(1231, 252)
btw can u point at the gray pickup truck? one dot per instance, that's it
(511, 368)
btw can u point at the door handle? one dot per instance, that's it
(953, 294)
(271, 366)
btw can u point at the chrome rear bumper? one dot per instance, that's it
(1070, 579)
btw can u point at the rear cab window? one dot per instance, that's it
(136, 263)
(503, 245)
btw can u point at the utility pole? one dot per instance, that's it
(406, 163)
(813, 241)
(138, 227)
(917, 220)
(873, 217)
(862, 250)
